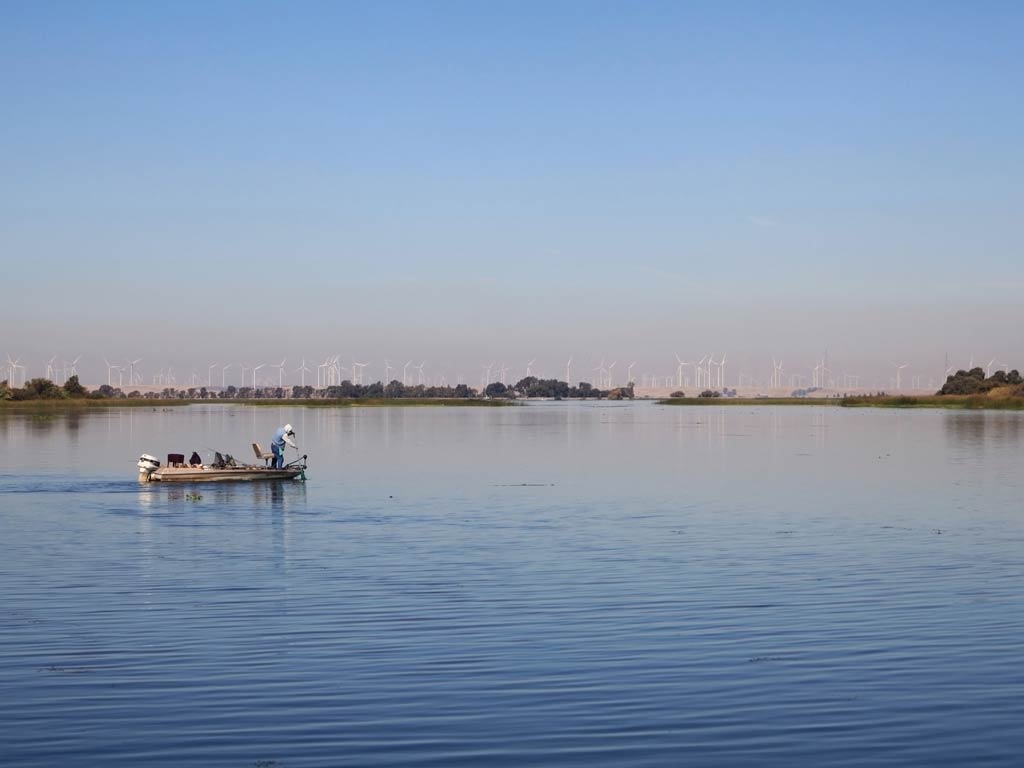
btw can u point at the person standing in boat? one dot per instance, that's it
(283, 436)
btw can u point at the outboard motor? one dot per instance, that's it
(147, 466)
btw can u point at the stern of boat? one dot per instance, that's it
(147, 466)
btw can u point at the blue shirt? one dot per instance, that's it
(279, 439)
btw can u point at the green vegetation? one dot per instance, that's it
(531, 386)
(369, 402)
(974, 382)
(43, 389)
(42, 393)
(702, 400)
(957, 402)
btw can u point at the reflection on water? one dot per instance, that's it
(560, 583)
(981, 429)
(278, 495)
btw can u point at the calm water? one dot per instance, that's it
(550, 584)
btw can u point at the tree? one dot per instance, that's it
(974, 382)
(105, 391)
(73, 388)
(39, 389)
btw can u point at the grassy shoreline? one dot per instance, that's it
(83, 404)
(749, 401)
(946, 402)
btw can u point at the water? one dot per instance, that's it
(551, 584)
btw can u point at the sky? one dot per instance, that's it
(468, 183)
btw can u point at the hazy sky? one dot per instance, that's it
(468, 183)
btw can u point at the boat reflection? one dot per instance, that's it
(276, 495)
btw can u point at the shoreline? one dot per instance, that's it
(944, 402)
(73, 404)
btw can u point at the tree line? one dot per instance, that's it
(531, 386)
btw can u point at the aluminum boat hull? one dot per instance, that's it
(213, 474)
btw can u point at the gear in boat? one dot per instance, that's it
(224, 467)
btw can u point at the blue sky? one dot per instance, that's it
(465, 182)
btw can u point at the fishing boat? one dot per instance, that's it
(222, 468)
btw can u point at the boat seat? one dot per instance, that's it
(261, 454)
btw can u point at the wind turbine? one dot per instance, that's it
(303, 370)
(629, 373)
(988, 368)
(280, 372)
(529, 373)
(357, 377)
(899, 375)
(387, 371)
(721, 372)
(568, 366)
(223, 375)
(49, 368)
(420, 369)
(405, 374)
(13, 366)
(209, 374)
(110, 367)
(244, 366)
(611, 372)
(487, 375)
(713, 375)
(131, 371)
(254, 370)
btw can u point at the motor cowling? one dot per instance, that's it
(147, 465)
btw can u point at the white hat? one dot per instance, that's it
(288, 429)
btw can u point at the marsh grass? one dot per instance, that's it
(749, 401)
(957, 402)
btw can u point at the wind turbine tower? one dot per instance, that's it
(899, 375)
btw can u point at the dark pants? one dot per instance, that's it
(278, 457)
